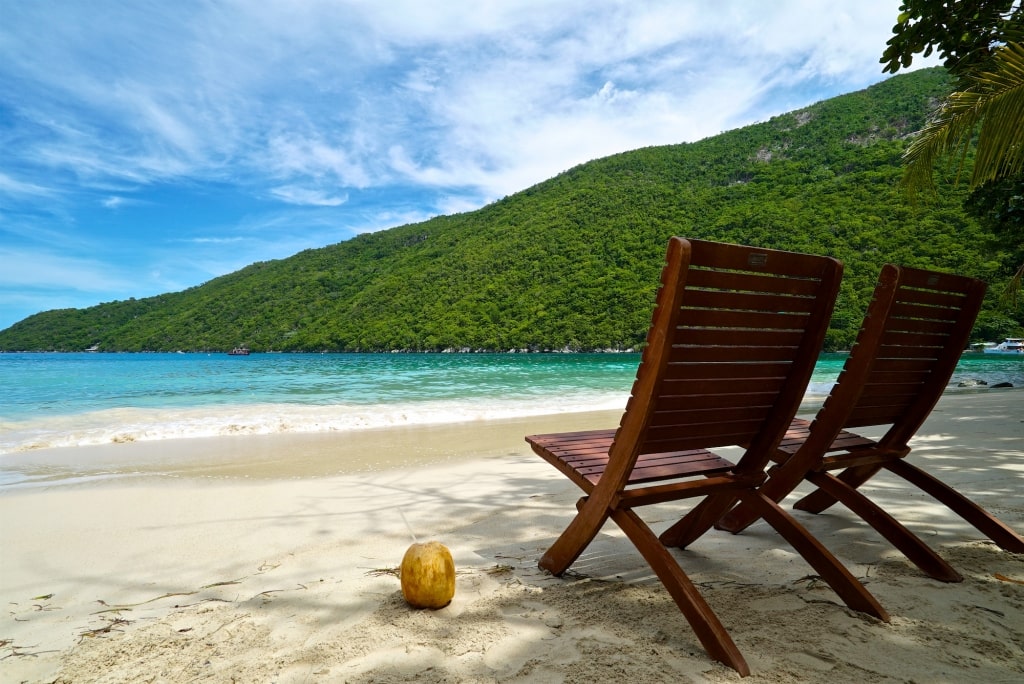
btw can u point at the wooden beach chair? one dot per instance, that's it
(734, 339)
(916, 327)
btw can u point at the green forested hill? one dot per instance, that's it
(573, 262)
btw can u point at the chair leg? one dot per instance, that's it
(851, 591)
(706, 625)
(986, 523)
(819, 500)
(589, 520)
(919, 553)
(781, 481)
(699, 520)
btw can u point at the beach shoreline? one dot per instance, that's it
(288, 455)
(263, 558)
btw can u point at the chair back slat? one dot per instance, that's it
(717, 352)
(740, 301)
(743, 320)
(728, 370)
(908, 344)
(683, 402)
(727, 389)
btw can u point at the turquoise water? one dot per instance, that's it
(49, 400)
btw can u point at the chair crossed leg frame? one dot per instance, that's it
(783, 479)
(592, 514)
(844, 489)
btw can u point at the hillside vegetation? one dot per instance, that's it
(573, 262)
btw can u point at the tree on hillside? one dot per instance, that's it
(982, 43)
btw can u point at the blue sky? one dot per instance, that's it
(146, 147)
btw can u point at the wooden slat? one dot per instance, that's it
(699, 435)
(741, 320)
(921, 325)
(587, 454)
(751, 411)
(667, 402)
(931, 297)
(714, 336)
(852, 460)
(896, 365)
(577, 439)
(892, 351)
(720, 386)
(892, 390)
(898, 377)
(920, 340)
(746, 301)
(883, 398)
(736, 354)
(775, 262)
(754, 282)
(934, 313)
(645, 496)
(875, 415)
(933, 280)
(752, 371)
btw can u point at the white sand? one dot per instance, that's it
(258, 559)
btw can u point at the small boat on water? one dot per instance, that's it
(239, 351)
(1011, 345)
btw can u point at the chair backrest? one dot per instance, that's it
(735, 336)
(916, 327)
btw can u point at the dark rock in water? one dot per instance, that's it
(971, 383)
(1002, 384)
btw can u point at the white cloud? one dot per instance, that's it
(295, 195)
(216, 240)
(291, 156)
(119, 201)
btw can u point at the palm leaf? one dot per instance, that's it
(993, 104)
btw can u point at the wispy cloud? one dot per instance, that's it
(295, 195)
(216, 240)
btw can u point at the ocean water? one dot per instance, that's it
(61, 400)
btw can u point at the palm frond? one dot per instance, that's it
(992, 103)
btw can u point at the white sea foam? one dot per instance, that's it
(136, 425)
(122, 425)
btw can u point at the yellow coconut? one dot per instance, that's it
(428, 575)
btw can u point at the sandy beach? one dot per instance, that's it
(272, 559)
